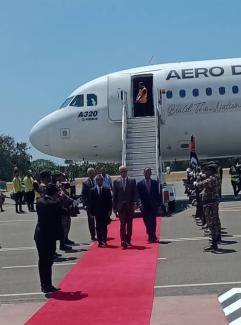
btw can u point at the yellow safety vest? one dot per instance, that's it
(17, 187)
(28, 182)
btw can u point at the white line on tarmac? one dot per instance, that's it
(34, 265)
(194, 238)
(21, 294)
(162, 258)
(10, 221)
(231, 308)
(197, 285)
(9, 249)
(228, 294)
(229, 210)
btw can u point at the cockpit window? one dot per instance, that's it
(91, 100)
(66, 102)
(78, 101)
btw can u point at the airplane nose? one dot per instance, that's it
(39, 137)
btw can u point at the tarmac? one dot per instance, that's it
(188, 280)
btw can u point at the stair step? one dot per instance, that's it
(141, 127)
(140, 156)
(140, 141)
(140, 146)
(138, 120)
(145, 151)
(131, 134)
(140, 168)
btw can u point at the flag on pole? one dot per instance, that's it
(194, 162)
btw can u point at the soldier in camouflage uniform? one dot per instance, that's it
(210, 198)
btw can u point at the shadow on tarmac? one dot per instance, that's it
(224, 251)
(68, 296)
(228, 242)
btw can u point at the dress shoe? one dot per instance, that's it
(49, 289)
(69, 242)
(93, 239)
(56, 255)
(211, 248)
(100, 245)
(65, 248)
(129, 244)
(124, 245)
(104, 244)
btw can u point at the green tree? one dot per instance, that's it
(37, 166)
(13, 154)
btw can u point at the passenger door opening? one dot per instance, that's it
(142, 94)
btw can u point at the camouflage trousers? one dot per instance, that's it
(66, 223)
(213, 221)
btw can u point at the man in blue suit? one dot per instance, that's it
(150, 198)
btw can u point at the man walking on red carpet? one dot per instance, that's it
(150, 203)
(124, 202)
(100, 206)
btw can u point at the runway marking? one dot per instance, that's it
(196, 285)
(35, 265)
(162, 258)
(21, 294)
(228, 294)
(9, 249)
(9, 221)
(236, 321)
(229, 210)
(231, 308)
(33, 220)
(194, 238)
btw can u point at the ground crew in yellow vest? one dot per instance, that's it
(29, 190)
(17, 190)
(235, 172)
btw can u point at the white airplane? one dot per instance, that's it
(201, 98)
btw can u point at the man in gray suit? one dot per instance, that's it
(124, 201)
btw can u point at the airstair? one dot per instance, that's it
(140, 143)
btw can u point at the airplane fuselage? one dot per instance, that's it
(201, 98)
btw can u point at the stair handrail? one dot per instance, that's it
(157, 129)
(124, 126)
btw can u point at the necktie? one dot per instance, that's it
(124, 184)
(99, 191)
(148, 185)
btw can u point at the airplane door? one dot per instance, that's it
(160, 96)
(117, 84)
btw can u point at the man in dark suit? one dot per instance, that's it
(100, 206)
(87, 186)
(149, 195)
(124, 202)
(48, 230)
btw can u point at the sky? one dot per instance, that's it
(48, 48)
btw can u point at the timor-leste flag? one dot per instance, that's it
(194, 162)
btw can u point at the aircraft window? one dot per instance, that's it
(182, 93)
(209, 91)
(78, 101)
(235, 89)
(66, 102)
(91, 100)
(221, 90)
(169, 94)
(195, 92)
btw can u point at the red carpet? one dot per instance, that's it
(108, 286)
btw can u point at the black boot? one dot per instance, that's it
(211, 248)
